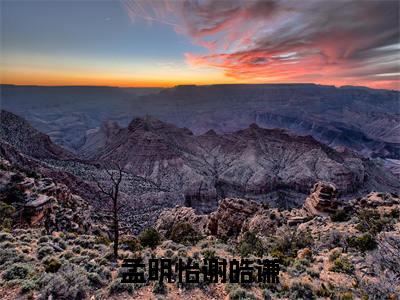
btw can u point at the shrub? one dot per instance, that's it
(117, 287)
(6, 214)
(17, 271)
(102, 240)
(43, 239)
(363, 243)
(6, 237)
(395, 213)
(334, 255)
(31, 173)
(28, 285)
(159, 288)
(287, 243)
(16, 178)
(241, 294)
(10, 256)
(7, 245)
(45, 251)
(342, 265)
(76, 249)
(14, 195)
(208, 254)
(300, 290)
(51, 264)
(345, 296)
(130, 244)
(371, 221)
(69, 283)
(183, 233)
(149, 238)
(340, 215)
(95, 280)
(250, 244)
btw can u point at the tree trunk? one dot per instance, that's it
(116, 230)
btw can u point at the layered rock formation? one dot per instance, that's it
(322, 200)
(268, 165)
(362, 119)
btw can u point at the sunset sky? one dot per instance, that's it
(166, 43)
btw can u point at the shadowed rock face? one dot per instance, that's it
(362, 119)
(26, 139)
(269, 165)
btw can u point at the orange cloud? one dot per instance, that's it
(335, 42)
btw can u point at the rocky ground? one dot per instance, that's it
(328, 249)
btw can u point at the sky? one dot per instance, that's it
(167, 43)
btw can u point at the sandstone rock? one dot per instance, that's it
(322, 199)
(230, 216)
(180, 214)
(264, 222)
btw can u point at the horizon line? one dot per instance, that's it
(197, 85)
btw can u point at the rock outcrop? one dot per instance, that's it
(228, 220)
(180, 214)
(322, 200)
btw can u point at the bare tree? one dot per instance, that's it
(111, 192)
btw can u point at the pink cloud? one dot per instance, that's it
(335, 42)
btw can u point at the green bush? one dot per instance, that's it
(95, 280)
(340, 215)
(69, 283)
(28, 285)
(149, 238)
(183, 233)
(17, 271)
(250, 244)
(6, 237)
(102, 240)
(371, 221)
(363, 243)
(6, 213)
(301, 291)
(10, 256)
(45, 251)
(130, 244)
(342, 265)
(241, 294)
(287, 242)
(51, 264)
(208, 254)
(334, 255)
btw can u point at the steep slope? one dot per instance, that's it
(265, 164)
(20, 134)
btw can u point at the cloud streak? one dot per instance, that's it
(331, 42)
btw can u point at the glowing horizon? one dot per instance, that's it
(135, 43)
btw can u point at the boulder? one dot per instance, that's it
(180, 214)
(230, 216)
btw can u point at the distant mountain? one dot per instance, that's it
(271, 165)
(362, 119)
(67, 113)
